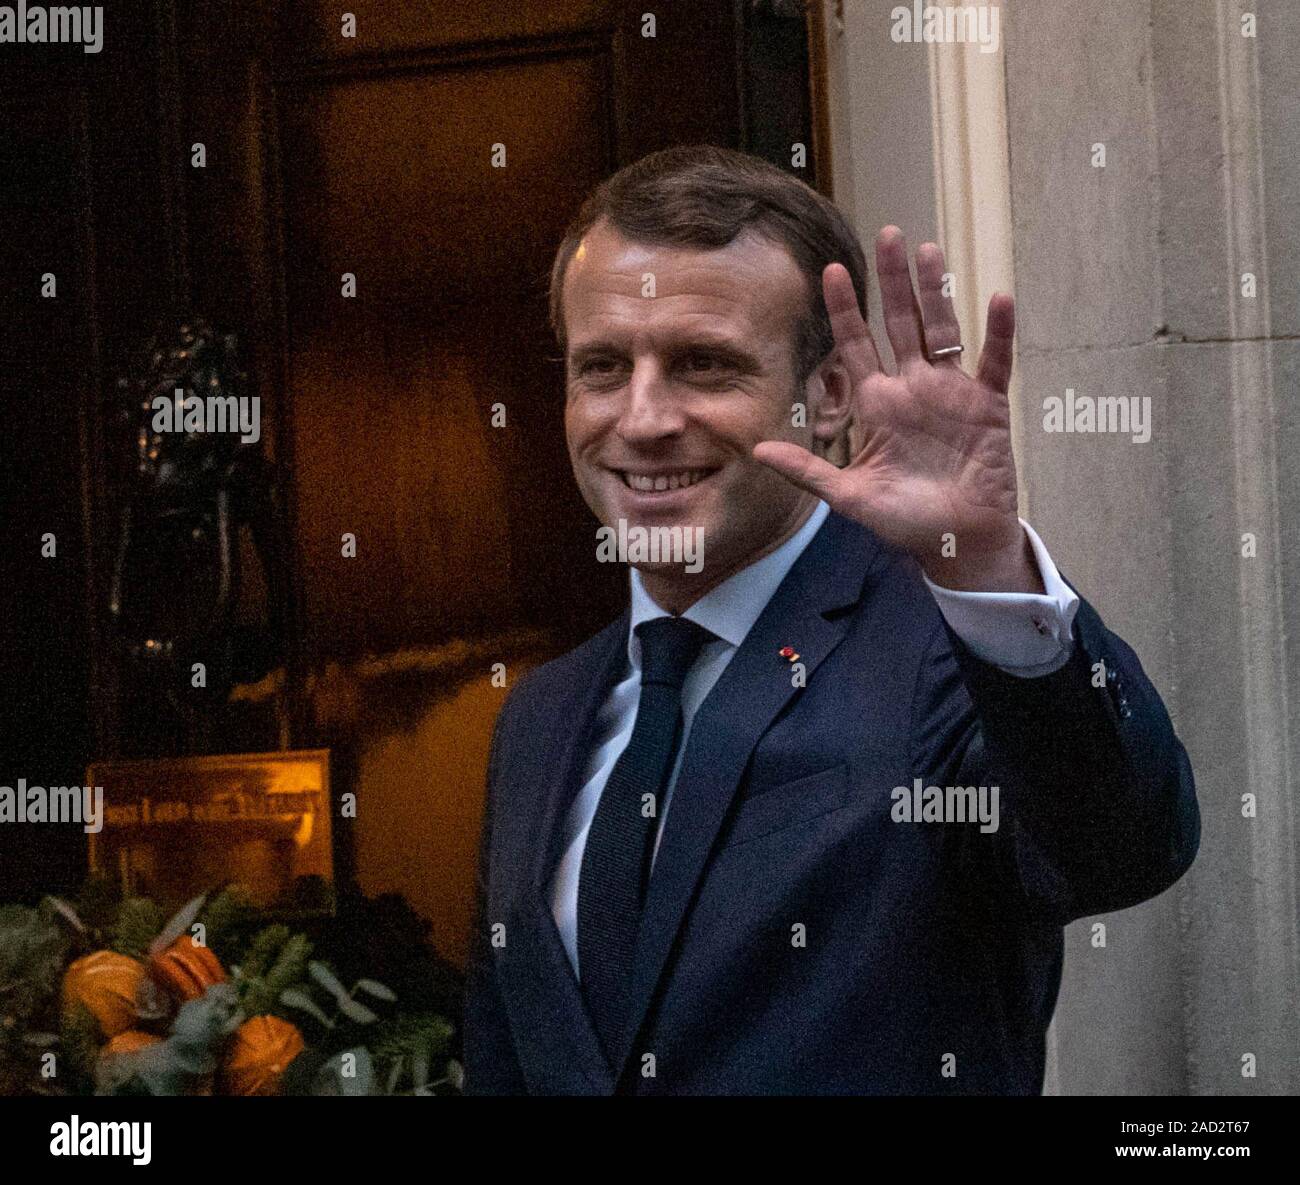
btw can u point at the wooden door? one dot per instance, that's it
(372, 206)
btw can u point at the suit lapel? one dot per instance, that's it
(544, 999)
(753, 689)
(586, 689)
(551, 996)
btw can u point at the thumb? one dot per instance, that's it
(800, 467)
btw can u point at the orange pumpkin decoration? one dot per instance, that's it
(186, 969)
(129, 1042)
(105, 984)
(259, 1054)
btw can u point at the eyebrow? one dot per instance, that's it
(736, 355)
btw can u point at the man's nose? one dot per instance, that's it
(650, 412)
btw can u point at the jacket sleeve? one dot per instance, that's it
(491, 1062)
(1098, 805)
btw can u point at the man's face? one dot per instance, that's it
(668, 394)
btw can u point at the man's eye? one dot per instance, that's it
(598, 366)
(703, 363)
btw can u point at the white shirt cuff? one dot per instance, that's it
(1026, 634)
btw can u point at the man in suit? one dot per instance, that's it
(810, 818)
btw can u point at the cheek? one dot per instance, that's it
(749, 424)
(587, 419)
(577, 426)
(570, 431)
(780, 424)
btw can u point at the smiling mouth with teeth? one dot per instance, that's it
(657, 482)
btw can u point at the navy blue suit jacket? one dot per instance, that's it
(795, 939)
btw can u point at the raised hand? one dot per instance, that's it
(934, 472)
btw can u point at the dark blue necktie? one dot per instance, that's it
(616, 859)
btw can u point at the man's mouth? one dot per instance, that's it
(663, 480)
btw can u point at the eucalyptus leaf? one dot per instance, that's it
(293, 998)
(373, 988)
(331, 1079)
(69, 913)
(328, 980)
(364, 1081)
(357, 1012)
(179, 924)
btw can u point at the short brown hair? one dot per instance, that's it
(703, 196)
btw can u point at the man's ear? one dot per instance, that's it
(828, 394)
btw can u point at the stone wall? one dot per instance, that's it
(1169, 274)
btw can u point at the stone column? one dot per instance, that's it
(1153, 177)
(1169, 273)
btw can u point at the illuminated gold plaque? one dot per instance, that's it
(174, 828)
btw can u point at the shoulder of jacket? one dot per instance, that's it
(539, 687)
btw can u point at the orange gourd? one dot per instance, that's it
(105, 984)
(186, 969)
(129, 1042)
(259, 1054)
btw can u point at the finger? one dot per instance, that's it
(995, 359)
(941, 328)
(898, 300)
(800, 467)
(857, 348)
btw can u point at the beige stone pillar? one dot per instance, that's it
(1152, 186)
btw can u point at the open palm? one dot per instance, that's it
(934, 471)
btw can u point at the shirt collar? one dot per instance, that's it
(730, 610)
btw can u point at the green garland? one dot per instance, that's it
(53, 1042)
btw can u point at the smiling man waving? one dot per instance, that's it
(695, 875)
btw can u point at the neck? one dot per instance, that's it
(675, 590)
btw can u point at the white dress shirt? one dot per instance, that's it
(1026, 634)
